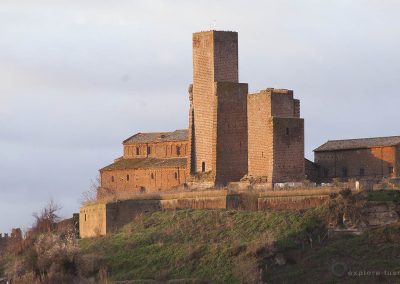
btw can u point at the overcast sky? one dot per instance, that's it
(78, 77)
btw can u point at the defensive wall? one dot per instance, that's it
(107, 217)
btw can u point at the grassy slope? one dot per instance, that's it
(229, 246)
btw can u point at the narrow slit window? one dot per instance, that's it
(112, 178)
(137, 151)
(176, 175)
(178, 150)
(344, 172)
(148, 150)
(203, 166)
(127, 177)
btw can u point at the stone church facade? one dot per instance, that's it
(231, 135)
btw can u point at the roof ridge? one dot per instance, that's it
(359, 143)
(379, 137)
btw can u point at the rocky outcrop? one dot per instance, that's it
(381, 213)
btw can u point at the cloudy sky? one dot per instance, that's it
(78, 77)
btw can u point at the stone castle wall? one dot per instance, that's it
(103, 218)
(100, 219)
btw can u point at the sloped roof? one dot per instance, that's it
(147, 137)
(146, 163)
(335, 145)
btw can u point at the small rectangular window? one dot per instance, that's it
(137, 151)
(152, 176)
(127, 177)
(178, 150)
(148, 150)
(203, 166)
(344, 172)
(287, 130)
(112, 178)
(176, 175)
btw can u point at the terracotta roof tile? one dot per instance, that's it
(177, 135)
(145, 163)
(335, 145)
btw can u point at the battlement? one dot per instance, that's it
(274, 91)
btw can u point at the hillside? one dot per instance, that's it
(221, 246)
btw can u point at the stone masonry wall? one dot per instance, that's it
(375, 162)
(260, 149)
(143, 180)
(92, 220)
(215, 58)
(288, 158)
(204, 101)
(276, 136)
(281, 103)
(231, 132)
(101, 219)
(160, 150)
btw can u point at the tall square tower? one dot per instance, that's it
(218, 115)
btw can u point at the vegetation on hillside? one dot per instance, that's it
(220, 246)
(48, 253)
(212, 246)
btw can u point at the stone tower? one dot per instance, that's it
(218, 112)
(276, 136)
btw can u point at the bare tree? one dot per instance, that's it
(90, 195)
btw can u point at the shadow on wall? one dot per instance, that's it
(374, 163)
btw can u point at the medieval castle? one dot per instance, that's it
(233, 137)
(232, 134)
